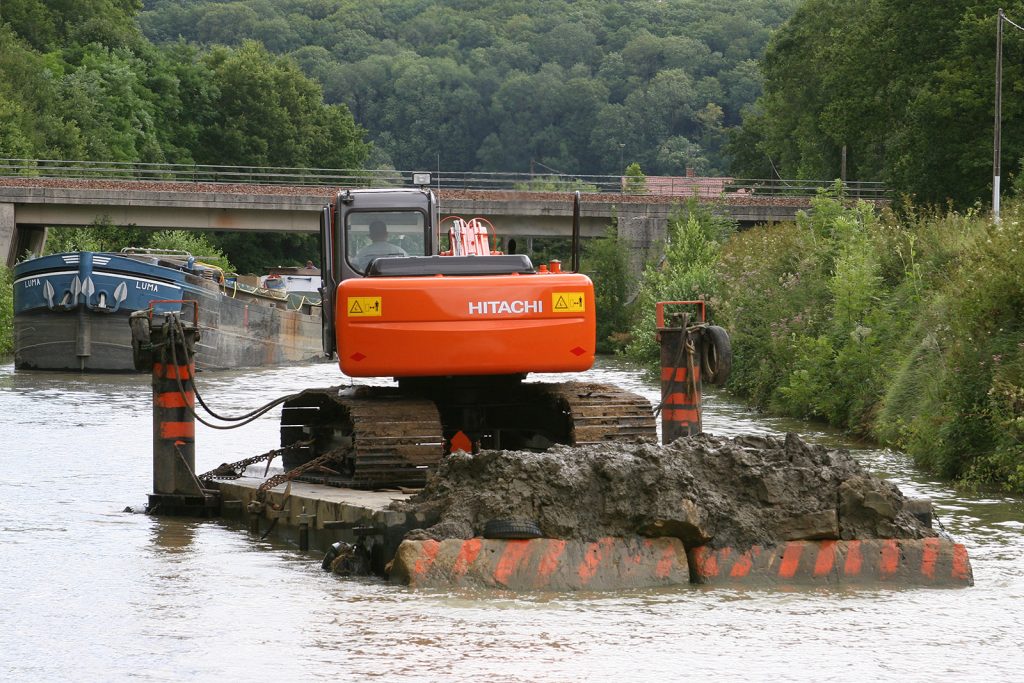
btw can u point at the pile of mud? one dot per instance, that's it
(704, 490)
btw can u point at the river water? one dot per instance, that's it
(92, 593)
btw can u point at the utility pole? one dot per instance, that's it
(622, 170)
(997, 141)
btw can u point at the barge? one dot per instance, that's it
(71, 312)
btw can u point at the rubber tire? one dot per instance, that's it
(716, 355)
(511, 529)
(330, 556)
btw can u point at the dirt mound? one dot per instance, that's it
(703, 490)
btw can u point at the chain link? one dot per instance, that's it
(236, 469)
(277, 479)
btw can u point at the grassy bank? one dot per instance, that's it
(909, 329)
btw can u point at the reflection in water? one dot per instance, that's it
(172, 535)
(113, 596)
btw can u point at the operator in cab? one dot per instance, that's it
(378, 246)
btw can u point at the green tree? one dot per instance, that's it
(109, 103)
(31, 110)
(636, 181)
(265, 112)
(605, 261)
(907, 91)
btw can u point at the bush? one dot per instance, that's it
(604, 260)
(6, 311)
(636, 181)
(195, 244)
(99, 236)
(106, 237)
(908, 328)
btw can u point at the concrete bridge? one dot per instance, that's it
(29, 205)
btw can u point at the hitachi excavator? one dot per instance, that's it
(459, 330)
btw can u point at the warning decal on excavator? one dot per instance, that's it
(568, 302)
(363, 306)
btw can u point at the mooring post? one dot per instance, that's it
(304, 521)
(167, 345)
(680, 373)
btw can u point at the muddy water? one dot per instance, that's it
(91, 593)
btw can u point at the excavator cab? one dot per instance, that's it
(347, 248)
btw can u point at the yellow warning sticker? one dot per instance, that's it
(363, 306)
(568, 302)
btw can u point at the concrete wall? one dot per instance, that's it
(7, 229)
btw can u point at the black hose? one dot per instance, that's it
(241, 420)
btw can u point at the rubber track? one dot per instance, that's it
(395, 439)
(604, 412)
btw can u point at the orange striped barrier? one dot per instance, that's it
(172, 409)
(680, 384)
(929, 561)
(542, 563)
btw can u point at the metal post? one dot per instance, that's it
(168, 345)
(304, 521)
(622, 170)
(680, 377)
(997, 134)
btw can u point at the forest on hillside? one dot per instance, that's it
(576, 87)
(907, 87)
(80, 81)
(750, 88)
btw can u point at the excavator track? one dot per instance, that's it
(392, 437)
(604, 412)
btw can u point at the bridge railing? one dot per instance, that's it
(858, 189)
(678, 186)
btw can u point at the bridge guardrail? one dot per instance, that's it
(681, 186)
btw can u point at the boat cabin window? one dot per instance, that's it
(369, 234)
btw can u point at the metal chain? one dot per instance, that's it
(276, 480)
(236, 469)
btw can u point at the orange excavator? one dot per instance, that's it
(459, 329)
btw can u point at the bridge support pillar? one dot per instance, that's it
(18, 240)
(643, 232)
(7, 229)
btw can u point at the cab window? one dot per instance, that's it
(372, 234)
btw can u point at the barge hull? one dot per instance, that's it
(71, 313)
(72, 341)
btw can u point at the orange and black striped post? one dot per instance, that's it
(171, 350)
(680, 374)
(174, 427)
